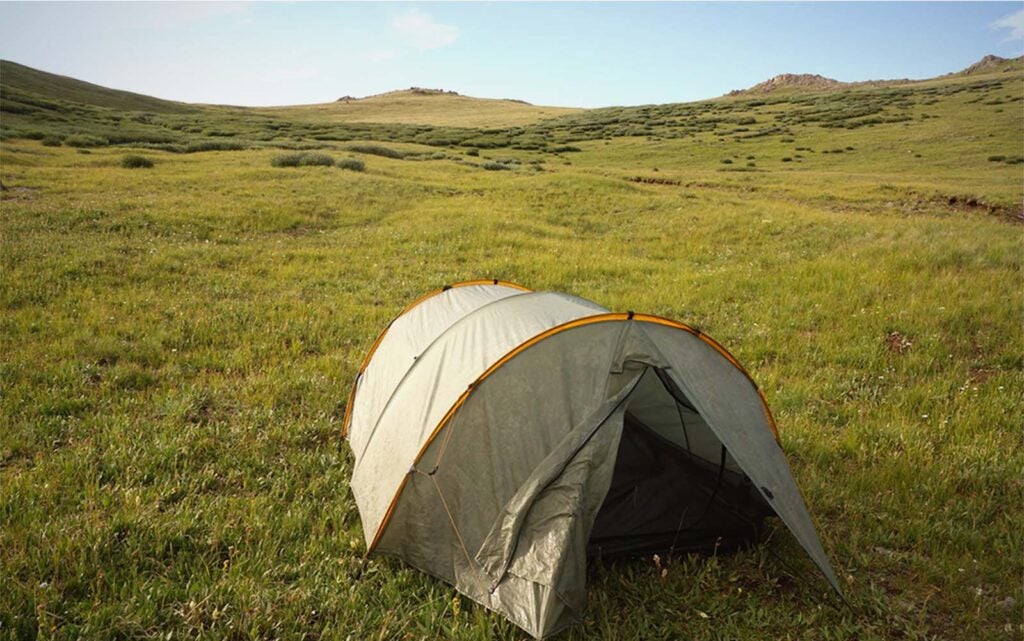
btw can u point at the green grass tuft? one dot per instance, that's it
(304, 159)
(352, 164)
(133, 161)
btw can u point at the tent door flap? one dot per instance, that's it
(499, 548)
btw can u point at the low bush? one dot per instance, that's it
(85, 140)
(134, 136)
(214, 145)
(302, 160)
(377, 150)
(496, 166)
(163, 146)
(286, 160)
(726, 161)
(133, 161)
(316, 160)
(51, 141)
(486, 142)
(996, 158)
(352, 164)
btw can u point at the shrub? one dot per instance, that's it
(352, 164)
(996, 158)
(214, 145)
(476, 152)
(134, 136)
(85, 140)
(496, 166)
(133, 161)
(726, 161)
(51, 141)
(377, 150)
(486, 142)
(566, 149)
(787, 159)
(302, 160)
(316, 160)
(170, 147)
(286, 160)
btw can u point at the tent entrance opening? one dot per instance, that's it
(674, 487)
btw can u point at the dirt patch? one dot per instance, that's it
(897, 343)
(981, 374)
(972, 204)
(18, 193)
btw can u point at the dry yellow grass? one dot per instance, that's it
(414, 108)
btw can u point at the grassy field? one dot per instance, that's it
(178, 343)
(423, 107)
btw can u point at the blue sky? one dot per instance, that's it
(578, 54)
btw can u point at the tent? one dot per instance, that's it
(502, 436)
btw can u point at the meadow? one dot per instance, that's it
(179, 340)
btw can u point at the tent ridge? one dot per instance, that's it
(346, 421)
(417, 358)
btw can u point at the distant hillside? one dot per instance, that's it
(990, 64)
(19, 83)
(815, 82)
(796, 81)
(804, 107)
(419, 106)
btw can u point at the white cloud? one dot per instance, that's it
(1014, 22)
(421, 32)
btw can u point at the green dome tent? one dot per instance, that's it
(501, 436)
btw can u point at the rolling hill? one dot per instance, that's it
(21, 85)
(803, 82)
(423, 107)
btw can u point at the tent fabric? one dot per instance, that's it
(500, 435)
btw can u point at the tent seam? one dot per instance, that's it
(346, 421)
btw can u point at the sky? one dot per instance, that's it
(567, 54)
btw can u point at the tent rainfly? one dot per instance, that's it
(502, 436)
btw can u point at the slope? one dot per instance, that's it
(423, 107)
(21, 84)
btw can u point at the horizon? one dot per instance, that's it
(272, 54)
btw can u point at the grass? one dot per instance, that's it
(420, 108)
(178, 346)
